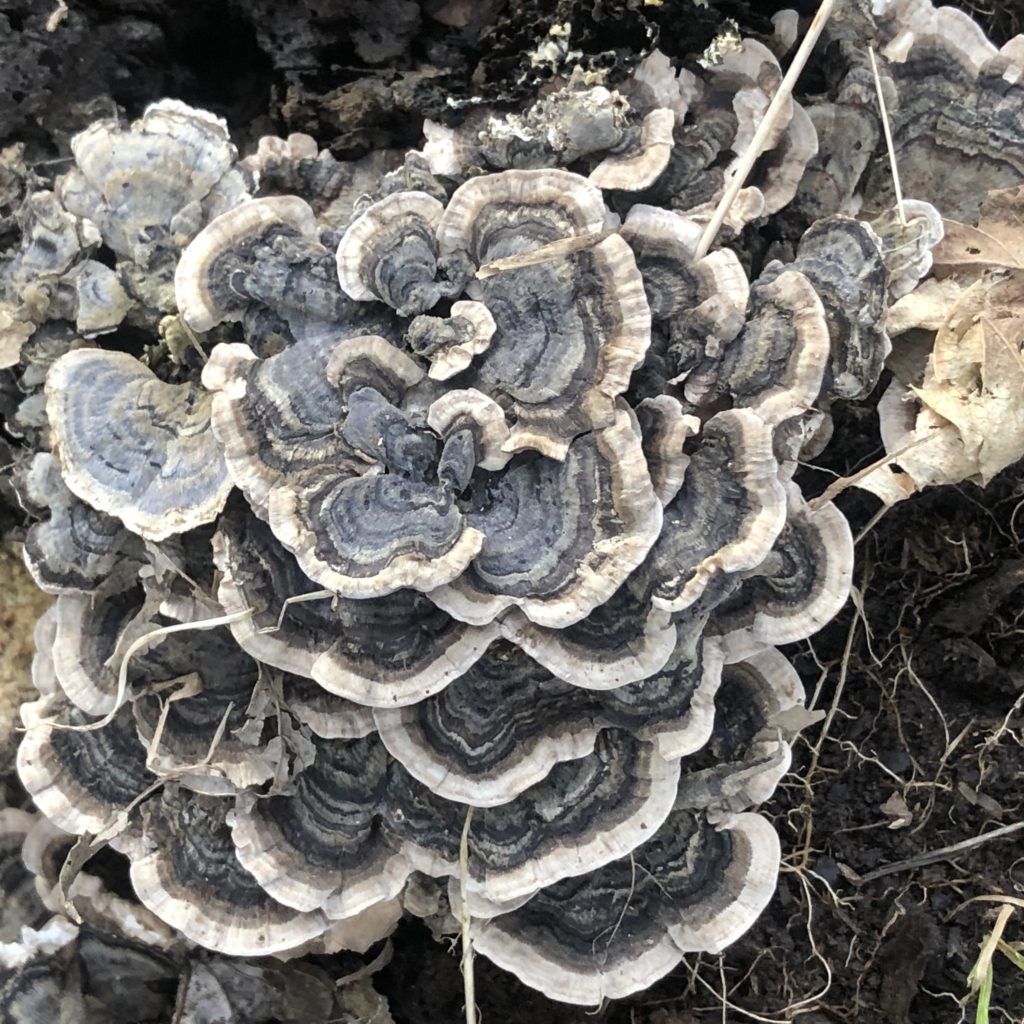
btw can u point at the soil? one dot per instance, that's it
(921, 678)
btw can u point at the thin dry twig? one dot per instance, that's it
(887, 131)
(552, 251)
(943, 853)
(764, 129)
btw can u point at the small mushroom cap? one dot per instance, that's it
(389, 252)
(201, 284)
(732, 469)
(623, 640)
(776, 364)
(616, 931)
(77, 548)
(134, 447)
(749, 749)
(192, 879)
(549, 544)
(801, 585)
(640, 165)
(664, 429)
(412, 536)
(275, 418)
(469, 409)
(450, 343)
(81, 780)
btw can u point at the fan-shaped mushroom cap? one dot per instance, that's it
(381, 652)
(203, 281)
(77, 548)
(81, 780)
(640, 164)
(562, 382)
(321, 846)
(482, 417)
(663, 242)
(583, 814)
(208, 730)
(276, 417)
(38, 978)
(100, 300)
(451, 342)
(732, 473)
(956, 125)
(561, 537)
(844, 260)
(134, 447)
(390, 253)
(803, 582)
(621, 641)
(664, 430)
(496, 731)
(89, 632)
(188, 874)
(907, 248)
(748, 751)
(372, 535)
(621, 928)
(327, 715)
(776, 363)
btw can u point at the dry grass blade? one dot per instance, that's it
(468, 977)
(764, 129)
(887, 131)
(552, 251)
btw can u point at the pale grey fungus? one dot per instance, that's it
(390, 253)
(77, 548)
(133, 446)
(451, 342)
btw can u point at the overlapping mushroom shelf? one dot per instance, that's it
(478, 514)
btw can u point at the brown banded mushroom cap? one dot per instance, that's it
(733, 468)
(777, 362)
(514, 212)
(390, 253)
(202, 281)
(664, 429)
(663, 242)
(695, 887)
(639, 166)
(801, 585)
(406, 535)
(469, 409)
(146, 185)
(621, 641)
(187, 873)
(90, 632)
(276, 417)
(558, 567)
(133, 446)
(321, 846)
(758, 710)
(493, 733)
(77, 548)
(621, 793)
(451, 342)
(381, 652)
(81, 780)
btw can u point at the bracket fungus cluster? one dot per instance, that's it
(466, 511)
